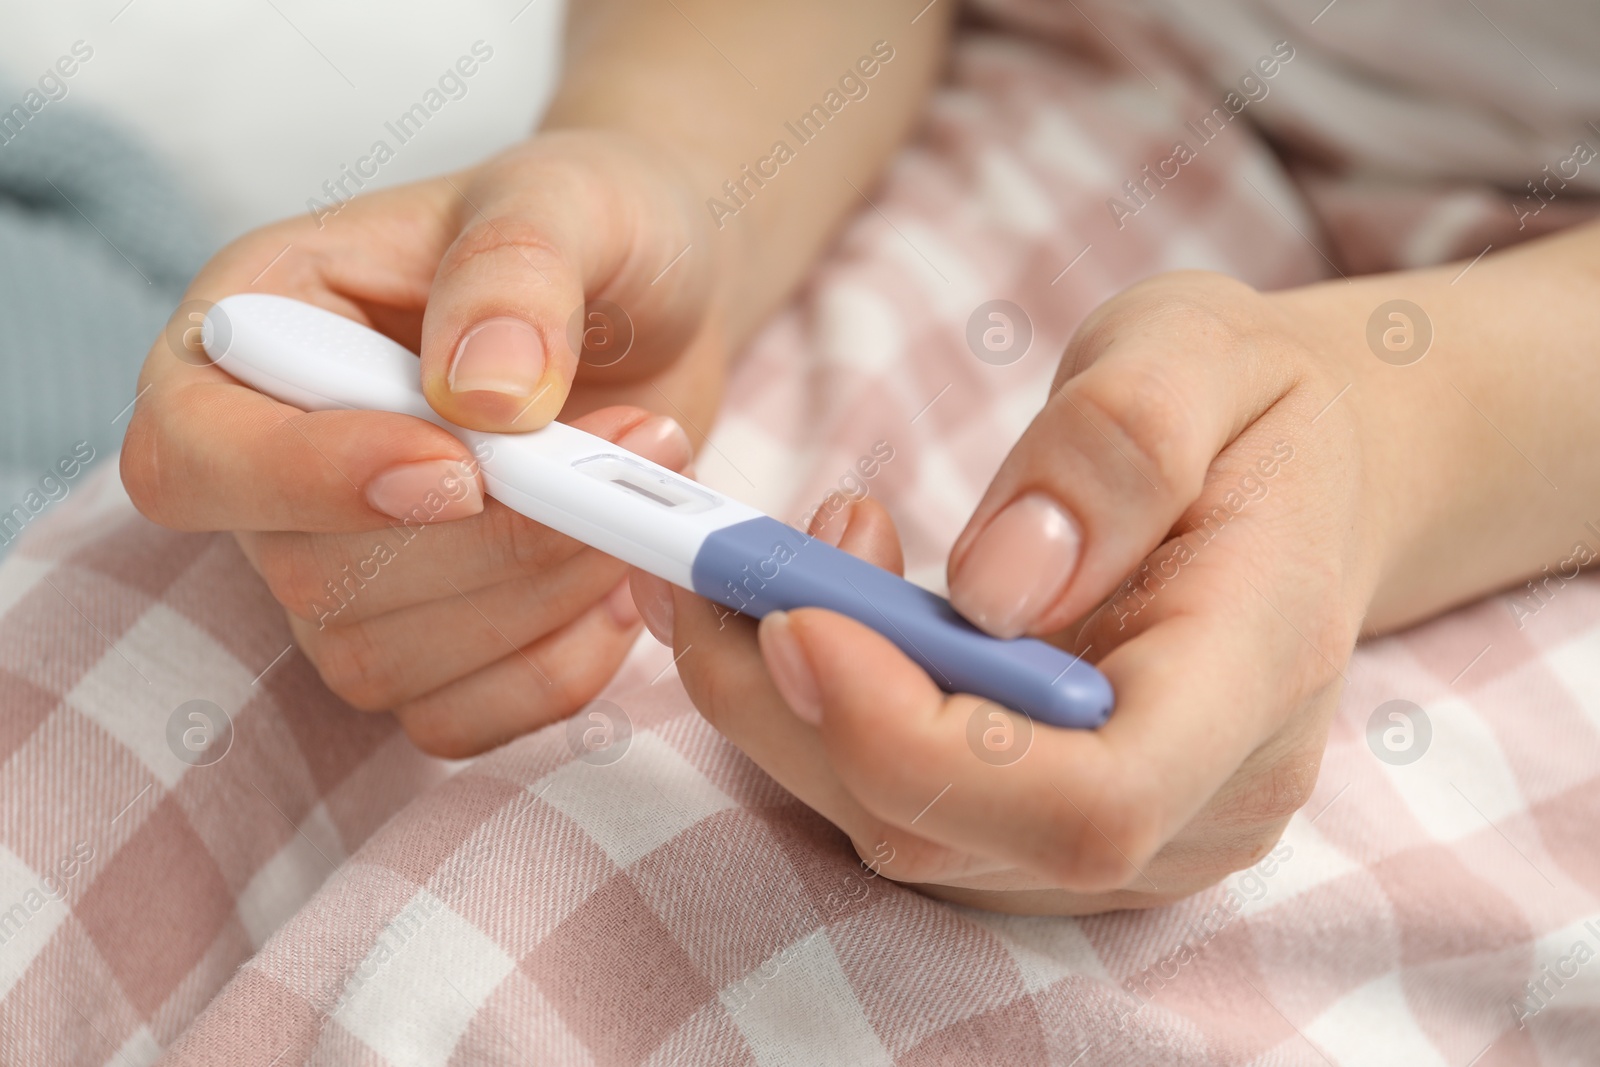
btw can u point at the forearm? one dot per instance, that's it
(1485, 469)
(720, 84)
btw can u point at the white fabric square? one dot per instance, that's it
(1045, 948)
(1565, 970)
(1011, 196)
(179, 663)
(1577, 664)
(28, 916)
(1312, 862)
(289, 878)
(952, 284)
(1373, 1024)
(806, 1014)
(632, 807)
(139, 1050)
(17, 579)
(425, 978)
(537, 885)
(1057, 141)
(765, 467)
(1462, 779)
(859, 329)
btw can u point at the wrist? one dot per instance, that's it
(1447, 428)
(1406, 447)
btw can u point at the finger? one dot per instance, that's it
(526, 689)
(1118, 453)
(655, 601)
(541, 232)
(1086, 809)
(204, 452)
(724, 672)
(405, 654)
(862, 528)
(219, 456)
(353, 577)
(868, 533)
(374, 267)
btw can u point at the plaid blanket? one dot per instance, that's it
(307, 888)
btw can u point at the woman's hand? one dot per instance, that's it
(1224, 489)
(546, 280)
(1189, 443)
(600, 236)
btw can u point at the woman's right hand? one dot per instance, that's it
(406, 587)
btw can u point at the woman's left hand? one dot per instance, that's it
(1182, 445)
(1277, 473)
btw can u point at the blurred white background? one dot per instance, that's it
(258, 102)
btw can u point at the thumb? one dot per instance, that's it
(1114, 462)
(507, 326)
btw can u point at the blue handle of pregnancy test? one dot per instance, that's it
(762, 565)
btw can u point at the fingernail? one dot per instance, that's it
(661, 440)
(619, 602)
(499, 355)
(1018, 566)
(653, 597)
(433, 490)
(791, 671)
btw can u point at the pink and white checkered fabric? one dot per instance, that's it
(323, 894)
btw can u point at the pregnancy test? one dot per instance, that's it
(648, 516)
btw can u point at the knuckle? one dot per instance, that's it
(900, 856)
(1110, 844)
(248, 254)
(1143, 412)
(354, 666)
(720, 688)
(292, 572)
(1241, 853)
(707, 687)
(436, 732)
(141, 465)
(1171, 295)
(567, 693)
(501, 233)
(563, 682)
(525, 545)
(1289, 785)
(723, 687)
(1271, 797)
(156, 465)
(1196, 298)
